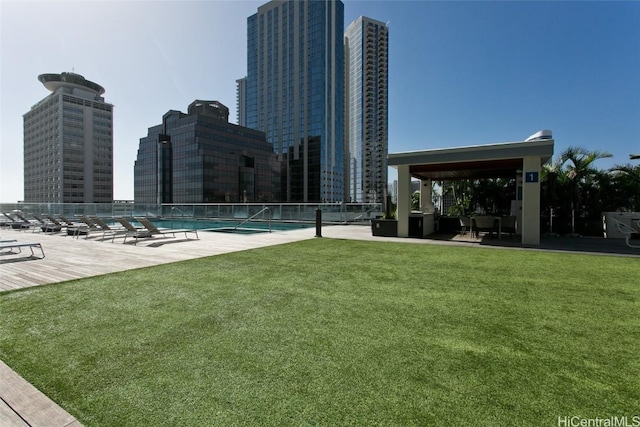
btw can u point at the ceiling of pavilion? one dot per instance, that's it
(503, 168)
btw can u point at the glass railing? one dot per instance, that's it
(331, 212)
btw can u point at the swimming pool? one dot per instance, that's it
(231, 226)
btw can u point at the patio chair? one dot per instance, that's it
(131, 231)
(73, 228)
(88, 225)
(628, 232)
(22, 223)
(509, 225)
(47, 226)
(35, 224)
(106, 228)
(69, 222)
(465, 225)
(155, 230)
(8, 221)
(484, 223)
(7, 241)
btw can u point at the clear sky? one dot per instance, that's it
(461, 73)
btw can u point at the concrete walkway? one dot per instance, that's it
(69, 258)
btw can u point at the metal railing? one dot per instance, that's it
(297, 212)
(265, 209)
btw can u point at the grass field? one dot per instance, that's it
(332, 332)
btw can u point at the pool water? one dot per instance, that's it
(223, 226)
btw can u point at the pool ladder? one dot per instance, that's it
(176, 209)
(255, 215)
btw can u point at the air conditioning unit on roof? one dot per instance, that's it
(540, 136)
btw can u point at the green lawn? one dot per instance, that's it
(332, 332)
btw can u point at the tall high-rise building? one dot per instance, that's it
(241, 104)
(295, 93)
(68, 143)
(367, 111)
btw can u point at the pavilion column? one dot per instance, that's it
(531, 201)
(404, 200)
(426, 203)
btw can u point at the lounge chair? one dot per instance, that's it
(74, 228)
(8, 221)
(22, 223)
(155, 230)
(7, 241)
(18, 245)
(46, 225)
(88, 225)
(57, 222)
(106, 228)
(131, 231)
(35, 224)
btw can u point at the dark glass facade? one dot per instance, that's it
(295, 93)
(200, 157)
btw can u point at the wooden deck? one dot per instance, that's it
(70, 258)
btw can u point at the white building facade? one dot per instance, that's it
(68, 143)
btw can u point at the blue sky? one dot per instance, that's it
(461, 73)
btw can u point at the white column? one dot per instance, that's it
(404, 200)
(531, 201)
(426, 203)
(427, 208)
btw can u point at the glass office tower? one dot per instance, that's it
(295, 93)
(68, 143)
(200, 157)
(367, 52)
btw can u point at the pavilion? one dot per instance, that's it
(520, 160)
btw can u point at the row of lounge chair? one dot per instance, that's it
(86, 225)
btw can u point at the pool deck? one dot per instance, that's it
(68, 258)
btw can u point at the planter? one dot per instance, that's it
(384, 227)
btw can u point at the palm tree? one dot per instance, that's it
(575, 166)
(626, 182)
(553, 180)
